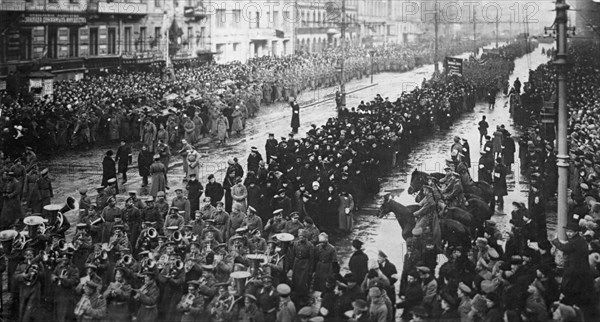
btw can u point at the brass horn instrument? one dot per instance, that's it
(256, 261)
(152, 233)
(148, 263)
(60, 219)
(240, 278)
(99, 220)
(32, 272)
(127, 260)
(42, 229)
(177, 237)
(19, 241)
(69, 205)
(162, 262)
(62, 245)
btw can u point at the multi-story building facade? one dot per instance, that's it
(73, 36)
(240, 30)
(319, 24)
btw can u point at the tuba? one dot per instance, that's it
(255, 262)
(240, 278)
(60, 219)
(69, 205)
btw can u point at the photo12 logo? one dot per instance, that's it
(457, 12)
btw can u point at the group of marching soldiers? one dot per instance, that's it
(176, 267)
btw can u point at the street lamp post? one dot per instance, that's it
(372, 53)
(561, 74)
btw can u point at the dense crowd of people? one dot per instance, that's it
(256, 246)
(117, 105)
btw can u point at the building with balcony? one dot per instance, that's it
(71, 37)
(318, 25)
(244, 29)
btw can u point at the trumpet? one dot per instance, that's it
(31, 274)
(162, 261)
(189, 300)
(78, 241)
(83, 304)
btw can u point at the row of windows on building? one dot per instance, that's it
(234, 19)
(130, 43)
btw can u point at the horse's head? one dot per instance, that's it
(417, 180)
(385, 206)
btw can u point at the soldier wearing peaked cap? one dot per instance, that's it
(271, 147)
(123, 158)
(325, 259)
(301, 260)
(191, 304)
(11, 206)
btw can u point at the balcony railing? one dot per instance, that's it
(123, 8)
(67, 64)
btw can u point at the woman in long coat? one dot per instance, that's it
(149, 135)
(346, 211)
(32, 192)
(190, 130)
(222, 127)
(162, 134)
(295, 116)
(144, 163)
(113, 127)
(237, 125)
(509, 151)
(158, 171)
(109, 168)
(497, 141)
(193, 160)
(332, 202)
(214, 119)
(500, 188)
(198, 123)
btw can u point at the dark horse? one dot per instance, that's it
(480, 188)
(453, 231)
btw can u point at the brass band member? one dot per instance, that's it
(90, 275)
(147, 296)
(64, 280)
(268, 299)
(191, 304)
(29, 276)
(171, 278)
(249, 312)
(118, 294)
(91, 307)
(219, 307)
